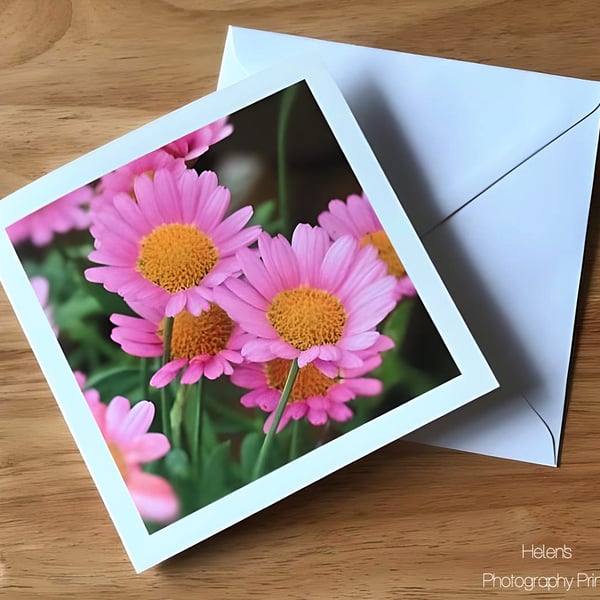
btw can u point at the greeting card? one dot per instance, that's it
(229, 304)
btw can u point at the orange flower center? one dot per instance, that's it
(119, 459)
(207, 333)
(309, 381)
(305, 317)
(386, 251)
(176, 257)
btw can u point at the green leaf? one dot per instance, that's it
(208, 435)
(99, 377)
(249, 450)
(177, 464)
(216, 481)
(396, 324)
(177, 412)
(114, 381)
(263, 213)
(229, 420)
(79, 252)
(110, 303)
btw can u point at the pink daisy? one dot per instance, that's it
(63, 215)
(41, 287)
(357, 218)
(125, 431)
(173, 246)
(194, 144)
(121, 180)
(314, 300)
(314, 395)
(207, 344)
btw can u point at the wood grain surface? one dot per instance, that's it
(407, 522)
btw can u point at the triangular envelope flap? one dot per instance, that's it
(495, 426)
(512, 261)
(444, 130)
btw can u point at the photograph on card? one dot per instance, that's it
(229, 302)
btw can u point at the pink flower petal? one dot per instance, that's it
(297, 410)
(337, 262)
(340, 412)
(242, 238)
(335, 226)
(141, 350)
(250, 296)
(136, 423)
(116, 413)
(317, 417)
(258, 351)
(257, 275)
(148, 447)
(249, 376)
(120, 334)
(365, 386)
(282, 349)
(284, 259)
(362, 213)
(211, 212)
(254, 398)
(232, 225)
(350, 360)
(340, 393)
(307, 356)
(317, 402)
(310, 245)
(195, 370)
(285, 419)
(360, 341)
(326, 367)
(167, 373)
(176, 304)
(329, 353)
(405, 288)
(214, 368)
(153, 496)
(166, 186)
(195, 302)
(267, 254)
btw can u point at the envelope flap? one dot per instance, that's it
(455, 127)
(495, 426)
(512, 262)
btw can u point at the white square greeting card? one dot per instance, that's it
(222, 312)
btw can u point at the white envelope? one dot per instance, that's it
(494, 167)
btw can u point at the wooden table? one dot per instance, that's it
(407, 522)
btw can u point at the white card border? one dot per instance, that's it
(475, 379)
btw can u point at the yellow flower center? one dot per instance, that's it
(207, 333)
(119, 459)
(176, 256)
(305, 317)
(309, 381)
(386, 251)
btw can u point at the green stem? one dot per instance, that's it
(295, 441)
(287, 100)
(285, 394)
(177, 413)
(166, 357)
(198, 406)
(145, 377)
